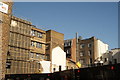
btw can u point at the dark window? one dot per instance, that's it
(89, 52)
(90, 60)
(67, 51)
(69, 44)
(8, 64)
(82, 45)
(65, 44)
(89, 45)
(47, 46)
(115, 61)
(106, 59)
(60, 68)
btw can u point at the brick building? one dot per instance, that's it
(70, 49)
(38, 43)
(85, 51)
(29, 45)
(19, 46)
(24, 45)
(5, 16)
(53, 39)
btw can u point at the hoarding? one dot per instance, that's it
(3, 7)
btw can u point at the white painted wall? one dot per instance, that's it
(102, 48)
(45, 66)
(108, 57)
(116, 55)
(58, 59)
(111, 55)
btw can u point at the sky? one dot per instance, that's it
(99, 19)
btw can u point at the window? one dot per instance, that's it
(42, 56)
(37, 55)
(90, 60)
(36, 33)
(82, 45)
(81, 53)
(89, 45)
(67, 51)
(106, 59)
(40, 35)
(33, 33)
(38, 45)
(8, 64)
(115, 61)
(69, 43)
(89, 52)
(32, 44)
(65, 44)
(47, 46)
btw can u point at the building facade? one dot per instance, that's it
(87, 50)
(5, 16)
(115, 55)
(53, 39)
(38, 44)
(58, 62)
(107, 58)
(28, 46)
(111, 57)
(70, 49)
(19, 53)
(90, 51)
(24, 45)
(101, 48)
